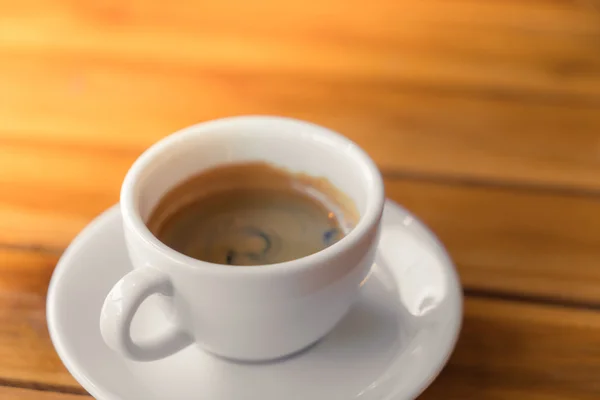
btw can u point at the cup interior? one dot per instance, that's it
(294, 145)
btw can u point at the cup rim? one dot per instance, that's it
(369, 219)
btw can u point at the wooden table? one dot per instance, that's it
(484, 117)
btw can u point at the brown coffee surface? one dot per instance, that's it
(252, 214)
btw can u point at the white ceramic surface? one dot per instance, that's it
(390, 346)
(256, 312)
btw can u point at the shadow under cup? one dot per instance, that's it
(268, 311)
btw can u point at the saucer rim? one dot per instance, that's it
(454, 284)
(103, 393)
(60, 270)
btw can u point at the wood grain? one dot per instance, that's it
(10, 393)
(506, 348)
(484, 90)
(77, 103)
(508, 240)
(541, 46)
(513, 351)
(28, 357)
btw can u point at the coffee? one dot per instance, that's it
(252, 214)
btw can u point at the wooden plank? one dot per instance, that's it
(506, 348)
(544, 46)
(513, 351)
(514, 241)
(117, 108)
(10, 393)
(27, 354)
(50, 195)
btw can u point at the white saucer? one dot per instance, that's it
(391, 345)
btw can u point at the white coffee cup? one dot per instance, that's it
(245, 313)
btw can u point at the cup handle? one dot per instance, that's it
(118, 311)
